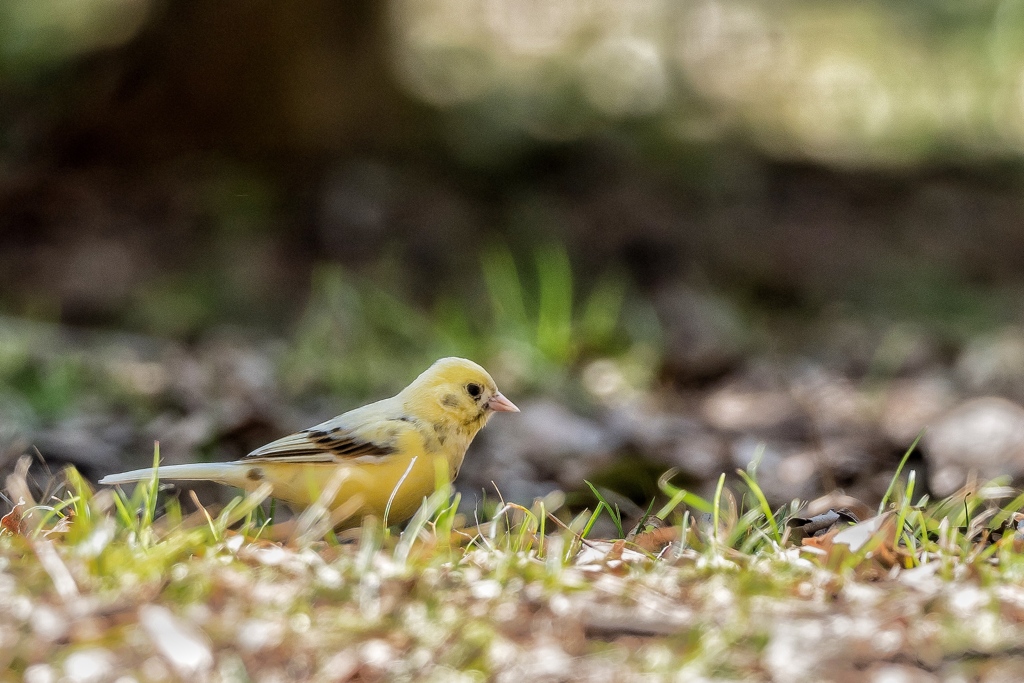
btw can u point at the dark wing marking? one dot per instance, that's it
(345, 444)
(317, 445)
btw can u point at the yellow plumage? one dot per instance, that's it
(384, 452)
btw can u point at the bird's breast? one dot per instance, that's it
(448, 440)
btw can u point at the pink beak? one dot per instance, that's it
(500, 404)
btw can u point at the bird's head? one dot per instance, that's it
(459, 390)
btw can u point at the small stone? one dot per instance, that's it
(985, 435)
(898, 673)
(704, 334)
(911, 404)
(646, 424)
(672, 439)
(77, 441)
(186, 648)
(786, 470)
(377, 654)
(994, 363)
(546, 661)
(832, 401)
(905, 349)
(341, 667)
(799, 650)
(180, 437)
(845, 458)
(1003, 670)
(86, 666)
(259, 634)
(548, 444)
(39, 673)
(700, 456)
(736, 409)
(550, 429)
(48, 623)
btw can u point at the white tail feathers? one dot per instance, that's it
(224, 472)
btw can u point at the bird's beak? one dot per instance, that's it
(500, 404)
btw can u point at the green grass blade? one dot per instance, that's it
(1004, 514)
(150, 492)
(896, 476)
(53, 512)
(716, 511)
(613, 512)
(602, 311)
(124, 515)
(766, 509)
(554, 306)
(593, 518)
(905, 506)
(688, 498)
(506, 292)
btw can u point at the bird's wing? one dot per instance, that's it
(367, 433)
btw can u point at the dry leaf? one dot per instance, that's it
(12, 522)
(655, 541)
(875, 538)
(820, 525)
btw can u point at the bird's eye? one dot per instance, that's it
(474, 389)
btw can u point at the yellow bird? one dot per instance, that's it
(382, 456)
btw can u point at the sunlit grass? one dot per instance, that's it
(480, 590)
(732, 520)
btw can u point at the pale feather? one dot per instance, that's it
(225, 472)
(361, 434)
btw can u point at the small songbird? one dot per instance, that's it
(385, 455)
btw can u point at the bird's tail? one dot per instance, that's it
(224, 472)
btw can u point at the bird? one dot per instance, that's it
(383, 458)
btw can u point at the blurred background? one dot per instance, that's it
(690, 235)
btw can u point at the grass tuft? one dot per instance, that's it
(702, 586)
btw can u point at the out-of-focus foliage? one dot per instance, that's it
(868, 84)
(42, 381)
(357, 337)
(41, 34)
(158, 175)
(847, 84)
